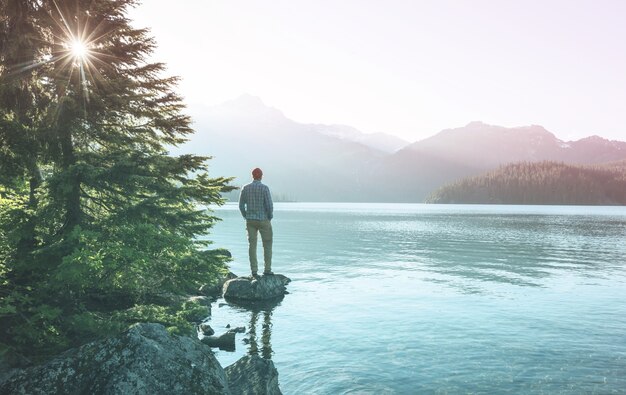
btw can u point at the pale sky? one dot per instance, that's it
(409, 68)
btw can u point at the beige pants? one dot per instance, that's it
(265, 228)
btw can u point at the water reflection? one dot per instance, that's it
(266, 334)
(259, 333)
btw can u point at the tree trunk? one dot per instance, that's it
(28, 241)
(73, 212)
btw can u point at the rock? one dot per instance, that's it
(206, 329)
(225, 341)
(214, 289)
(253, 375)
(203, 300)
(143, 360)
(251, 289)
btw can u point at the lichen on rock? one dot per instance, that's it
(253, 375)
(145, 359)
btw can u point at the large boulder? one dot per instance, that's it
(143, 360)
(253, 375)
(256, 289)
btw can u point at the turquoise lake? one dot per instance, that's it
(411, 298)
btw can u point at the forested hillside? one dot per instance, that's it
(540, 183)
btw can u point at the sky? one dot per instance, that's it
(405, 67)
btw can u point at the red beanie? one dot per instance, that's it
(257, 173)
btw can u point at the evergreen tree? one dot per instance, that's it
(540, 183)
(97, 221)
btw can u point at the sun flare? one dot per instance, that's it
(78, 49)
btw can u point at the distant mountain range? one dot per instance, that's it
(316, 162)
(451, 154)
(487, 146)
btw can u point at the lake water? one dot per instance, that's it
(393, 298)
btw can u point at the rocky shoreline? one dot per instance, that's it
(146, 359)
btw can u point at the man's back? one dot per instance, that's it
(255, 204)
(255, 201)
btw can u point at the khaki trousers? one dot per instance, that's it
(265, 229)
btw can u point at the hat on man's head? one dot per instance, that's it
(257, 173)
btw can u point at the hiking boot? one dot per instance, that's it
(268, 273)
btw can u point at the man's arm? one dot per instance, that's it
(269, 205)
(242, 202)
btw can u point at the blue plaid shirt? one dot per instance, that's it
(255, 201)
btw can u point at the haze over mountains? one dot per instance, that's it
(316, 162)
(380, 141)
(452, 154)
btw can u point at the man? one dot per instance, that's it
(255, 204)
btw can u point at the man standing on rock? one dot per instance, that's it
(255, 204)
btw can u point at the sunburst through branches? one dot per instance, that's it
(78, 49)
(79, 43)
(75, 45)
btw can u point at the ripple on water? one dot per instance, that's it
(440, 299)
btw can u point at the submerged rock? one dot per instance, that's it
(143, 360)
(256, 289)
(206, 329)
(253, 375)
(225, 341)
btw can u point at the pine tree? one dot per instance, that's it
(540, 183)
(97, 221)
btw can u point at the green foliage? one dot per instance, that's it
(177, 319)
(540, 183)
(99, 225)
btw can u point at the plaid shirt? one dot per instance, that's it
(255, 201)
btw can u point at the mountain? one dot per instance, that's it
(485, 146)
(380, 141)
(452, 154)
(299, 162)
(316, 162)
(540, 183)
